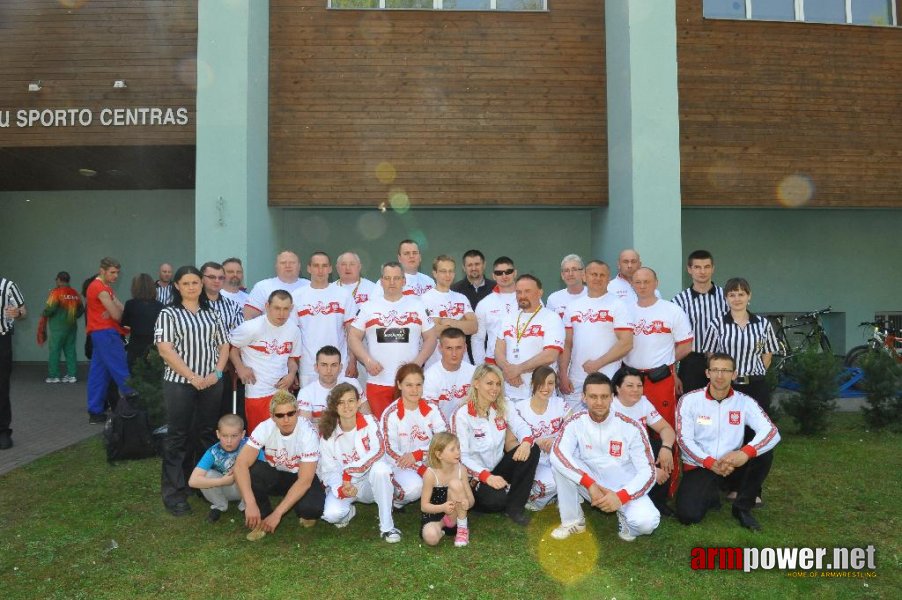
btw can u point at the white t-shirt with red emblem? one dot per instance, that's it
(594, 322)
(265, 349)
(446, 305)
(322, 315)
(656, 329)
(526, 334)
(448, 389)
(259, 294)
(362, 290)
(393, 332)
(490, 314)
(642, 411)
(314, 396)
(286, 452)
(559, 301)
(416, 284)
(529, 426)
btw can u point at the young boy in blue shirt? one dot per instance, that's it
(213, 474)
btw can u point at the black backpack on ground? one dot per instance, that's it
(128, 434)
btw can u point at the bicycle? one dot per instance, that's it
(813, 333)
(883, 339)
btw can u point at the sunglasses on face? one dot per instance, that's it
(284, 415)
(501, 272)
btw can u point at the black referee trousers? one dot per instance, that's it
(700, 488)
(192, 415)
(268, 481)
(519, 475)
(692, 371)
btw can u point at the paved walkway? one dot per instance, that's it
(46, 417)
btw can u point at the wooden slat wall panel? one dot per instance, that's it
(763, 101)
(469, 108)
(78, 48)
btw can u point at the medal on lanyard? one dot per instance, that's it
(519, 332)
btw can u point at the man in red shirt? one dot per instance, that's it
(108, 360)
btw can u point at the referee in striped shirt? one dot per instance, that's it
(164, 284)
(12, 307)
(704, 302)
(748, 338)
(232, 315)
(193, 342)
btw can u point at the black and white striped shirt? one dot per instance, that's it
(230, 311)
(164, 294)
(196, 338)
(744, 344)
(9, 296)
(702, 309)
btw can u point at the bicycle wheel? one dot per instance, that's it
(855, 355)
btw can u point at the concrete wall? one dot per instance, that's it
(804, 260)
(47, 232)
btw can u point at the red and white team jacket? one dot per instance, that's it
(346, 456)
(707, 429)
(481, 440)
(410, 431)
(614, 453)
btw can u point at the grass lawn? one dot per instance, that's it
(74, 527)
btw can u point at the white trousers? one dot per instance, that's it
(408, 485)
(641, 516)
(374, 486)
(544, 488)
(219, 497)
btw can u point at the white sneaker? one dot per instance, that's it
(532, 506)
(393, 536)
(624, 532)
(68, 379)
(344, 522)
(562, 532)
(52, 380)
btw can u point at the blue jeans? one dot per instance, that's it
(107, 364)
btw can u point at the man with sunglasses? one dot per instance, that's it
(493, 309)
(290, 456)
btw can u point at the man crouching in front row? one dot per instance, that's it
(291, 452)
(710, 428)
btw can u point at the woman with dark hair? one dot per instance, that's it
(502, 469)
(750, 340)
(630, 401)
(192, 341)
(140, 314)
(349, 464)
(408, 425)
(536, 422)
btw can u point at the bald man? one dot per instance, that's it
(349, 267)
(622, 285)
(164, 284)
(288, 278)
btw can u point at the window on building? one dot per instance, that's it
(859, 12)
(502, 5)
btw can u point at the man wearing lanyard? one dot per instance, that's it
(349, 267)
(12, 307)
(528, 338)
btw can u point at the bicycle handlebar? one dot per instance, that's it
(815, 314)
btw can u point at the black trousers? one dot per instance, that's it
(192, 415)
(692, 371)
(268, 481)
(6, 370)
(519, 475)
(700, 488)
(225, 405)
(758, 389)
(658, 492)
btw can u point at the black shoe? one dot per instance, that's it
(746, 519)
(665, 510)
(179, 509)
(6, 439)
(520, 518)
(213, 515)
(97, 419)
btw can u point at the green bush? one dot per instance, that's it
(816, 373)
(147, 381)
(882, 384)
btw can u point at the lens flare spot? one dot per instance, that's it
(385, 172)
(399, 201)
(371, 225)
(419, 236)
(570, 560)
(795, 190)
